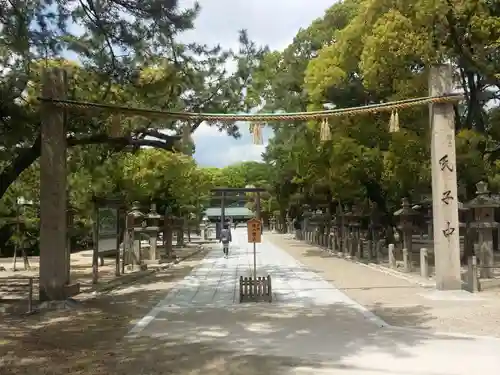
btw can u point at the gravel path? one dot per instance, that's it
(398, 301)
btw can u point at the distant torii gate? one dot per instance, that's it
(223, 192)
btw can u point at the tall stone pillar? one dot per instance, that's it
(444, 182)
(54, 273)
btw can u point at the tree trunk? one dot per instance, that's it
(28, 156)
(18, 165)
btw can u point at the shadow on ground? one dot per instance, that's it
(253, 339)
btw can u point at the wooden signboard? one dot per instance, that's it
(254, 231)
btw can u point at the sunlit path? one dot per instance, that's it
(310, 323)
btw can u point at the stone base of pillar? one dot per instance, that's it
(60, 293)
(155, 261)
(137, 267)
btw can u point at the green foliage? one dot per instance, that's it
(371, 51)
(125, 53)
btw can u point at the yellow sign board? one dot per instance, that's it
(254, 231)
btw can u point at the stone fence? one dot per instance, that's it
(364, 235)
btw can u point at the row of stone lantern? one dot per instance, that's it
(352, 227)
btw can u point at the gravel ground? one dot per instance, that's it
(397, 301)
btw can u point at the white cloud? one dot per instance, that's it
(248, 152)
(273, 23)
(269, 22)
(217, 149)
(207, 131)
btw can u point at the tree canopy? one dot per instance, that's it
(118, 52)
(360, 52)
(371, 51)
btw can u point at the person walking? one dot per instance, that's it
(225, 238)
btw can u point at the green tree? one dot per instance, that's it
(129, 55)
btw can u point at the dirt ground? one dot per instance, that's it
(398, 301)
(81, 272)
(88, 339)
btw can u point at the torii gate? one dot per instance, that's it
(54, 259)
(224, 190)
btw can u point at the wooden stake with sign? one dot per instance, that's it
(254, 232)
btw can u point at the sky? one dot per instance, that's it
(269, 22)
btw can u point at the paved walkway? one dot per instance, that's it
(311, 323)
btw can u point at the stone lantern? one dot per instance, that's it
(272, 222)
(426, 205)
(152, 229)
(483, 211)
(135, 226)
(204, 228)
(407, 217)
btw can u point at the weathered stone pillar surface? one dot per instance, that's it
(444, 182)
(53, 217)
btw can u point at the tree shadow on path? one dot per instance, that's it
(242, 339)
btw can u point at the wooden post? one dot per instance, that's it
(53, 218)
(444, 182)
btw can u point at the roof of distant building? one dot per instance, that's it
(229, 211)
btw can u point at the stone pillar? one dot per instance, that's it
(392, 257)
(204, 229)
(472, 280)
(444, 182)
(424, 263)
(53, 217)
